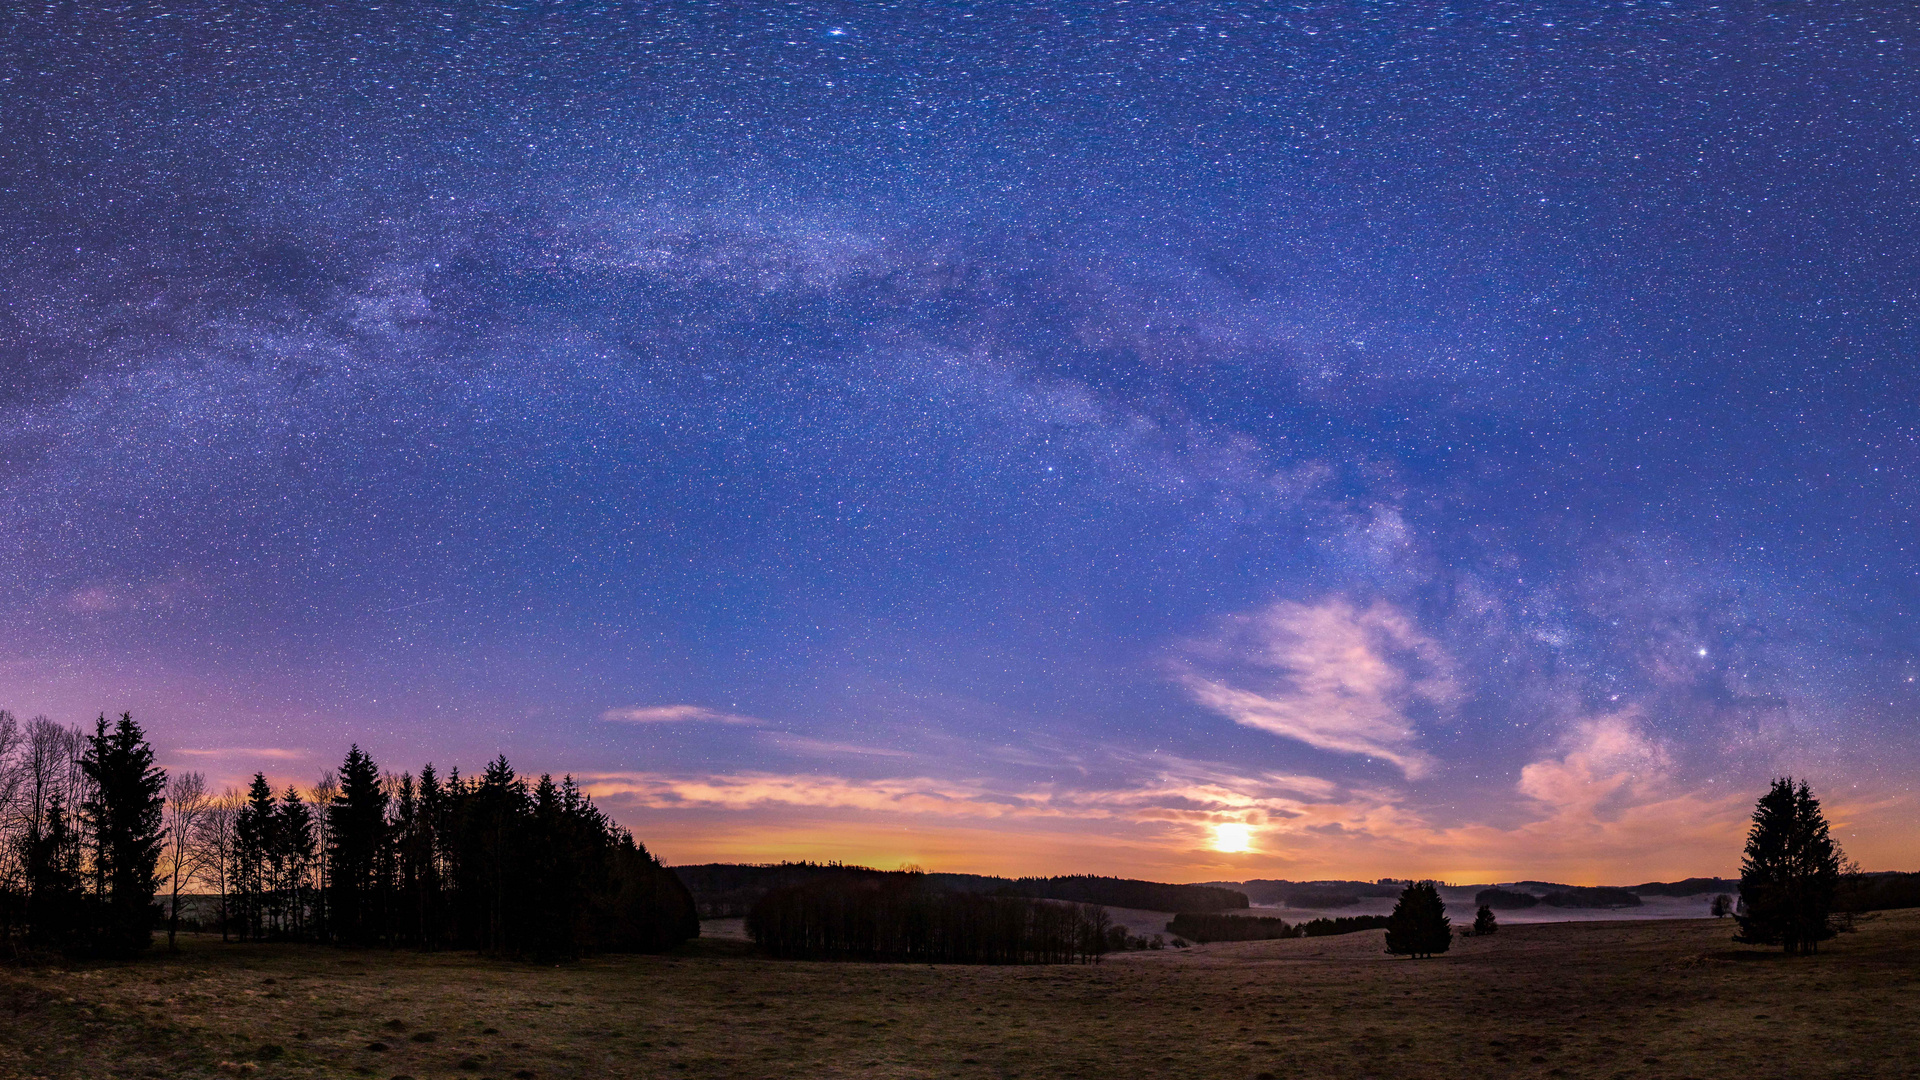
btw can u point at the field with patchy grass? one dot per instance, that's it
(1592, 999)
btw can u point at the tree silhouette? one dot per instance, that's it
(1790, 872)
(358, 825)
(54, 883)
(253, 846)
(1484, 922)
(293, 836)
(187, 802)
(1419, 926)
(215, 840)
(123, 818)
(499, 863)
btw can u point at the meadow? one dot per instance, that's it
(1612, 999)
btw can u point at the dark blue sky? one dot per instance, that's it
(1456, 439)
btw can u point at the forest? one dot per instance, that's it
(898, 916)
(730, 889)
(1204, 928)
(502, 864)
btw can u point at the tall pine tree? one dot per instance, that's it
(123, 817)
(255, 845)
(358, 827)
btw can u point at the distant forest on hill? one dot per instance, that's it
(1206, 928)
(729, 890)
(901, 916)
(723, 890)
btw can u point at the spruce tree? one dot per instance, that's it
(358, 820)
(293, 830)
(123, 815)
(54, 883)
(1484, 922)
(254, 844)
(1790, 872)
(1419, 926)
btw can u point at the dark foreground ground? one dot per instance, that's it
(1655, 999)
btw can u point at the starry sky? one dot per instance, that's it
(1473, 440)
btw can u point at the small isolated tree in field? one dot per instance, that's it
(1419, 926)
(1721, 907)
(1484, 922)
(1790, 872)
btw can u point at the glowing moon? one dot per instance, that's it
(1232, 836)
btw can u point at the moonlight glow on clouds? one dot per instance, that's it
(1027, 438)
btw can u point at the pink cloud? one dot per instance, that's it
(272, 753)
(1330, 675)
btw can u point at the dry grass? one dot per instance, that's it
(1652, 999)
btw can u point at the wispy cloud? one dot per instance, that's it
(747, 791)
(1605, 806)
(271, 753)
(673, 714)
(801, 744)
(1331, 675)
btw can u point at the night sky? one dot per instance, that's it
(1475, 440)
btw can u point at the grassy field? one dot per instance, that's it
(1597, 999)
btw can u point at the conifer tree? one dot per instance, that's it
(1484, 922)
(293, 833)
(1790, 872)
(54, 883)
(123, 816)
(1419, 926)
(358, 827)
(254, 855)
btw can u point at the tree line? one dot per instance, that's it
(91, 832)
(725, 890)
(1129, 893)
(1203, 927)
(896, 916)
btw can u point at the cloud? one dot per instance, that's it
(1330, 675)
(1608, 765)
(272, 753)
(800, 744)
(746, 791)
(673, 714)
(1182, 796)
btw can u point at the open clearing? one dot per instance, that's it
(1586, 999)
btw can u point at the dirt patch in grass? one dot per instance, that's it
(1606, 1000)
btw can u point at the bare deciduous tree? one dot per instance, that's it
(214, 839)
(187, 803)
